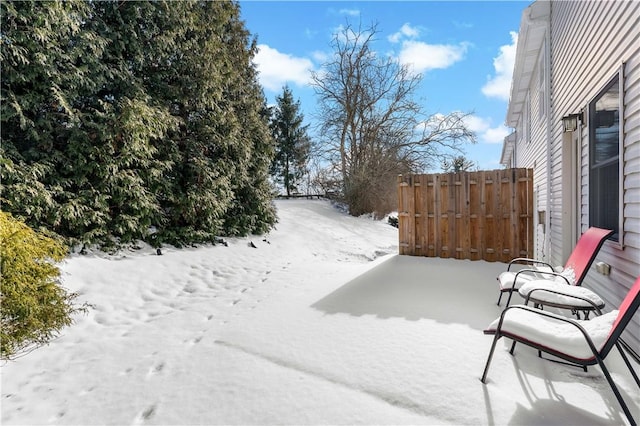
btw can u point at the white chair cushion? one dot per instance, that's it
(506, 278)
(555, 334)
(562, 299)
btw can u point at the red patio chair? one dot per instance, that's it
(579, 342)
(573, 272)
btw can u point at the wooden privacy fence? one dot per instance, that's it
(469, 215)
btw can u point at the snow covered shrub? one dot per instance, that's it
(35, 307)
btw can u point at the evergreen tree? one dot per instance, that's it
(252, 210)
(75, 124)
(124, 120)
(44, 54)
(292, 142)
(122, 116)
(200, 77)
(35, 307)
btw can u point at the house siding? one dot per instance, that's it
(536, 155)
(531, 150)
(588, 44)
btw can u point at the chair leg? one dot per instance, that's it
(499, 298)
(486, 367)
(509, 299)
(615, 390)
(629, 366)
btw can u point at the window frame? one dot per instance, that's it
(618, 238)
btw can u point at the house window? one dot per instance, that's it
(604, 158)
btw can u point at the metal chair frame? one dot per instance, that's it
(628, 308)
(583, 254)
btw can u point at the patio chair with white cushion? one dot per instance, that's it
(573, 272)
(579, 342)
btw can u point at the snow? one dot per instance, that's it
(554, 332)
(560, 293)
(321, 324)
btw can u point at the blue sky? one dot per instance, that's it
(463, 49)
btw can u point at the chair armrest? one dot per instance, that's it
(555, 274)
(536, 273)
(526, 260)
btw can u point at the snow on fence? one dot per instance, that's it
(484, 215)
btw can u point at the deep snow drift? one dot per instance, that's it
(321, 323)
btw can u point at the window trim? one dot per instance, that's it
(621, 158)
(620, 75)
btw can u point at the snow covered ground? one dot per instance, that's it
(321, 323)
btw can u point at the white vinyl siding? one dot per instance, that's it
(589, 43)
(531, 151)
(542, 84)
(580, 46)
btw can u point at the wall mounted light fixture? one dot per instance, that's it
(570, 122)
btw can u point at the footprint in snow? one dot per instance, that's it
(155, 369)
(145, 415)
(193, 341)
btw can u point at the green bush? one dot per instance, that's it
(35, 307)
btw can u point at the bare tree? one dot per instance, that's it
(371, 127)
(457, 164)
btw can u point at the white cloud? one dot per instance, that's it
(499, 85)
(425, 57)
(462, 25)
(309, 33)
(277, 69)
(320, 56)
(484, 131)
(496, 134)
(349, 12)
(405, 31)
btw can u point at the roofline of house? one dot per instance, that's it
(533, 26)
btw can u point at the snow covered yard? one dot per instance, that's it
(321, 323)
